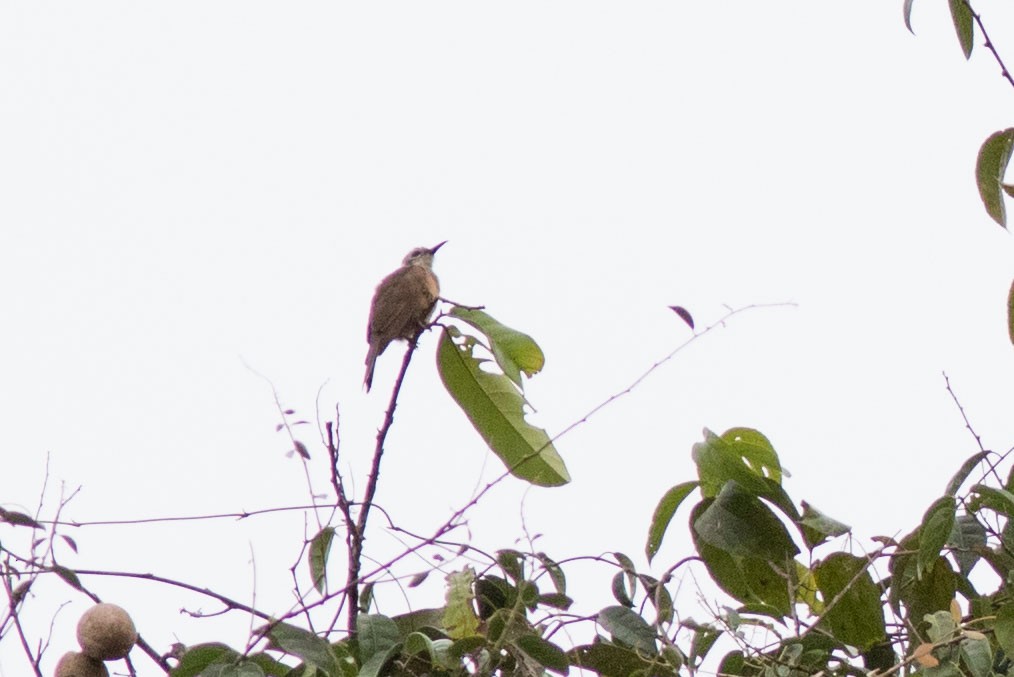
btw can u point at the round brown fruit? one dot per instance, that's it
(74, 664)
(106, 633)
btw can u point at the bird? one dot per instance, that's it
(401, 304)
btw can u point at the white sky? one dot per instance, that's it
(187, 186)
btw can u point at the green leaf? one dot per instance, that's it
(977, 655)
(378, 662)
(746, 579)
(659, 597)
(720, 459)
(459, 618)
(418, 643)
(609, 660)
(625, 563)
(627, 627)
(967, 539)
(1000, 500)
(1004, 628)
(269, 665)
(941, 626)
(529, 594)
(463, 647)
(68, 576)
(198, 658)
(1010, 313)
(741, 524)
(619, 589)
(704, 638)
(378, 640)
(493, 593)
(937, 524)
(514, 352)
(932, 593)
(734, 663)
(417, 620)
(366, 594)
(857, 619)
(320, 548)
(961, 14)
(244, 669)
(311, 649)
(818, 527)
(510, 562)
(496, 410)
(545, 653)
(555, 572)
(966, 468)
(991, 165)
(756, 450)
(557, 600)
(664, 512)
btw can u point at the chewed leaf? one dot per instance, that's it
(495, 407)
(514, 351)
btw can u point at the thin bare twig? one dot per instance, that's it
(989, 43)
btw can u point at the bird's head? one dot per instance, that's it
(422, 256)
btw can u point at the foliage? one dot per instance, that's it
(802, 596)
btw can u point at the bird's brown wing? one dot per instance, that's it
(401, 303)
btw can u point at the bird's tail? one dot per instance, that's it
(371, 360)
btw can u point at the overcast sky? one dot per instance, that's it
(195, 193)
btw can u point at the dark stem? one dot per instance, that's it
(358, 530)
(989, 43)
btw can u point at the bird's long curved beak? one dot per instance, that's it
(433, 250)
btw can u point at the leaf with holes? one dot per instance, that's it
(496, 409)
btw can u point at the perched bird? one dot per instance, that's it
(402, 304)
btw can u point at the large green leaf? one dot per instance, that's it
(977, 655)
(627, 627)
(545, 653)
(1004, 628)
(496, 409)
(1000, 500)
(741, 524)
(961, 14)
(966, 469)
(375, 634)
(303, 644)
(857, 618)
(664, 512)
(990, 167)
(756, 451)
(967, 540)
(200, 657)
(731, 457)
(933, 592)
(752, 581)
(514, 351)
(610, 660)
(937, 524)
